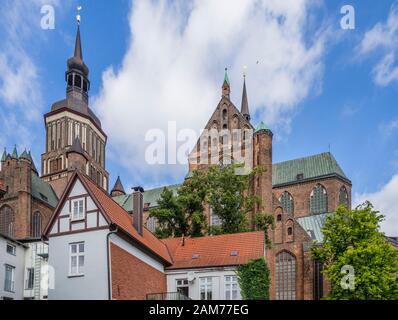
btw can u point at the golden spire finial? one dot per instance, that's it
(244, 71)
(78, 17)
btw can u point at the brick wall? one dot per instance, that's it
(133, 279)
(301, 194)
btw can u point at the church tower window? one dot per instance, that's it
(36, 225)
(318, 200)
(287, 202)
(343, 196)
(7, 221)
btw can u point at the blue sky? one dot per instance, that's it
(317, 86)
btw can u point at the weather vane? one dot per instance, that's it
(78, 17)
(244, 71)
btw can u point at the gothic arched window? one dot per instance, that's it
(224, 114)
(318, 200)
(287, 202)
(36, 225)
(7, 221)
(285, 277)
(343, 196)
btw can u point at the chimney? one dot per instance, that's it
(138, 209)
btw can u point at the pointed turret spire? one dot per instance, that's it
(3, 158)
(15, 153)
(245, 103)
(118, 189)
(29, 155)
(226, 89)
(24, 155)
(78, 45)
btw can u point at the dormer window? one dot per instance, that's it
(300, 176)
(77, 210)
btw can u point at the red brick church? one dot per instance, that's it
(299, 192)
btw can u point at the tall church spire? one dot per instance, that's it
(245, 103)
(78, 84)
(78, 45)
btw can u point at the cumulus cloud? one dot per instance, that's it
(387, 129)
(173, 69)
(385, 200)
(383, 37)
(21, 98)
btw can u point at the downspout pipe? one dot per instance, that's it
(109, 262)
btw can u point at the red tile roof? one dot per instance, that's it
(215, 251)
(123, 220)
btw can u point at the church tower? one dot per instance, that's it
(74, 137)
(229, 137)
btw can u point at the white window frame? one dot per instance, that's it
(12, 283)
(229, 282)
(206, 283)
(14, 249)
(30, 279)
(80, 213)
(77, 254)
(182, 283)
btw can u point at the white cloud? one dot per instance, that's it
(173, 69)
(383, 37)
(21, 99)
(384, 200)
(387, 129)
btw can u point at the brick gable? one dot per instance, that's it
(133, 279)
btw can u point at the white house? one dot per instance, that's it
(204, 268)
(99, 251)
(12, 266)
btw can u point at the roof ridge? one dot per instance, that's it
(125, 213)
(214, 236)
(305, 157)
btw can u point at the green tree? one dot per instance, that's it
(227, 198)
(253, 279)
(353, 243)
(182, 214)
(219, 187)
(170, 216)
(230, 198)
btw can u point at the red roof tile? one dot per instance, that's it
(123, 220)
(216, 251)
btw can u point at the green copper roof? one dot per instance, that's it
(24, 155)
(312, 167)
(41, 190)
(313, 225)
(150, 196)
(316, 166)
(226, 79)
(15, 153)
(4, 156)
(261, 126)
